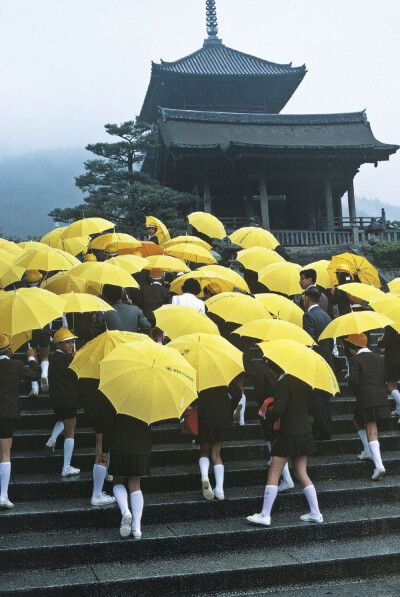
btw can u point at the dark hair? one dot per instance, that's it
(313, 293)
(192, 286)
(112, 293)
(343, 277)
(309, 273)
(274, 367)
(350, 345)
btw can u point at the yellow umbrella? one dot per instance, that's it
(355, 323)
(86, 362)
(162, 231)
(204, 278)
(389, 306)
(394, 285)
(47, 259)
(190, 252)
(215, 360)
(256, 258)
(73, 245)
(29, 245)
(64, 282)
(131, 263)
(9, 274)
(321, 267)
(148, 381)
(252, 236)
(195, 240)
(6, 258)
(86, 226)
(358, 266)
(28, 309)
(104, 273)
(301, 362)
(19, 339)
(146, 249)
(167, 263)
(11, 247)
(207, 224)
(236, 307)
(275, 329)
(179, 320)
(363, 291)
(281, 277)
(79, 302)
(281, 307)
(236, 279)
(122, 241)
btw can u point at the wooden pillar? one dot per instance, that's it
(329, 204)
(249, 201)
(264, 202)
(351, 200)
(207, 196)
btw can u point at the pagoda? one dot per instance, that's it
(222, 138)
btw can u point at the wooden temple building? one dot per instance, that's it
(222, 138)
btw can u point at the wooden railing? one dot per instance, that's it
(304, 238)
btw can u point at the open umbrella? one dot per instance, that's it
(281, 307)
(146, 249)
(394, 285)
(195, 240)
(166, 263)
(28, 309)
(121, 240)
(86, 226)
(162, 231)
(79, 302)
(252, 236)
(236, 279)
(301, 362)
(207, 224)
(29, 245)
(87, 359)
(19, 339)
(389, 305)
(281, 277)
(236, 307)
(256, 258)
(73, 245)
(190, 252)
(10, 247)
(179, 320)
(148, 381)
(104, 273)
(355, 323)
(131, 263)
(204, 278)
(275, 329)
(47, 259)
(215, 360)
(364, 292)
(9, 274)
(63, 282)
(321, 268)
(358, 266)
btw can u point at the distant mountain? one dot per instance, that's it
(372, 207)
(33, 184)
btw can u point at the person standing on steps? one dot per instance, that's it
(294, 441)
(367, 380)
(390, 343)
(11, 373)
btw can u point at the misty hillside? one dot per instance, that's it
(33, 184)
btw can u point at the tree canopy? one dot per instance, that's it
(118, 191)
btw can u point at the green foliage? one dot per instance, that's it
(119, 192)
(386, 255)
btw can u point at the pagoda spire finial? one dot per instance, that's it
(211, 19)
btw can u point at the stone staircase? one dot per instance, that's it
(55, 543)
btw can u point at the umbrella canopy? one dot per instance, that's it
(162, 231)
(207, 224)
(146, 249)
(122, 241)
(10, 274)
(79, 302)
(131, 263)
(28, 245)
(63, 282)
(190, 252)
(47, 260)
(256, 258)
(236, 279)
(281, 277)
(355, 323)
(215, 360)
(363, 291)
(358, 266)
(179, 320)
(301, 362)
(28, 309)
(10, 247)
(73, 245)
(86, 226)
(6, 259)
(86, 362)
(275, 329)
(389, 306)
(281, 307)
(252, 236)
(394, 285)
(321, 267)
(19, 339)
(204, 279)
(167, 263)
(104, 273)
(148, 381)
(236, 307)
(195, 240)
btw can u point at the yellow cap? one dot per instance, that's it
(5, 342)
(63, 335)
(357, 339)
(214, 288)
(111, 249)
(33, 276)
(343, 267)
(151, 225)
(89, 257)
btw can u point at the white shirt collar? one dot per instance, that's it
(4, 356)
(363, 350)
(312, 307)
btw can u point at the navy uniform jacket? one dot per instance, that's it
(314, 322)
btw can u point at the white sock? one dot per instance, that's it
(204, 464)
(68, 449)
(121, 495)
(286, 475)
(137, 503)
(44, 366)
(35, 385)
(219, 477)
(376, 453)
(270, 493)
(347, 365)
(5, 473)
(243, 402)
(57, 429)
(312, 499)
(99, 475)
(396, 395)
(363, 437)
(269, 446)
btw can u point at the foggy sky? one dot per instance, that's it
(68, 67)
